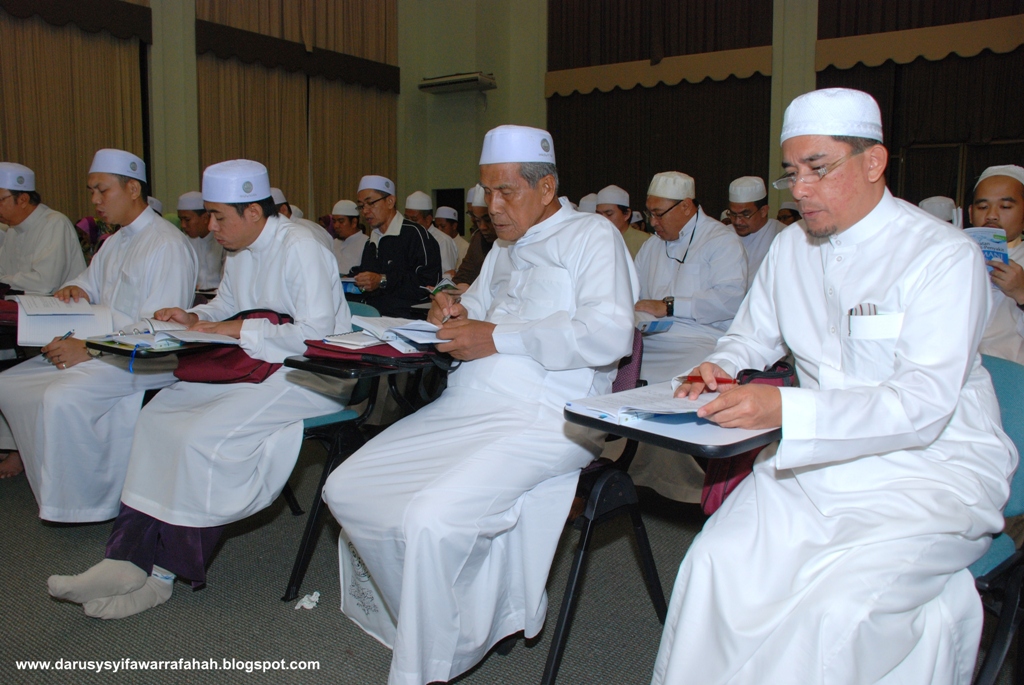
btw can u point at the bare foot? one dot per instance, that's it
(11, 465)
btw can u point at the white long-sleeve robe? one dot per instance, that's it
(462, 245)
(842, 558)
(450, 517)
(1004, 335)
(41, 253)
(210, 256)
(74, 427)
(208, 454)
(756, 245)
(449, 250)
(349, 251)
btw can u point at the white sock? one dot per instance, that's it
(156, 591)
(105, 579)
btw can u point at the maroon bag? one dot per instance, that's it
(230, 363)
(723, 475)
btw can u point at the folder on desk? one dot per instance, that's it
(637, 404)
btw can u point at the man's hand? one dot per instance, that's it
(367, 281)
(177, 315)
(745, 406)
(71, 292)
(231, 329)
(1009, 278)
(445, 305)
(66, 353)
(655, 307)
(470, 339)
(709, 372)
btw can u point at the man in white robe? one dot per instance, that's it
(195, 222)
(748, 212)
(843, 557)
(204, 454)
(41, 251)
(294, 215)
(450, 518)
(999, 203)
(420, 208)
(446, 220)
(71, 414)
(349, 245)
(613, 204)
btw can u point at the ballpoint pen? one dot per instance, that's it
(455, 300)
(67, 335)
(699, 379)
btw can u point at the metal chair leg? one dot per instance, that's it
(293, 504)
(561, 633)
(647, 558)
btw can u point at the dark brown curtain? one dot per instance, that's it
(841, 18)
(715, 131)
(585, 33)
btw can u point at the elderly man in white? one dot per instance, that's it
(450, 518)
(843, 557)
(748, 211)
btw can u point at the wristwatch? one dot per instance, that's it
(93, 353)
(670, 305)
(383, 281)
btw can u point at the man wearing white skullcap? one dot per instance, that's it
(588, 203)
(613, 204)
(207, 454)
(447, 220)
(943, 209)
(420, 208)
(289, 212)
(400, 257)
(195, 222)
(843, 557)
(748, 209)
(480, 242)
(351, 241)
(71, 413)
(444, 561)
(999, 203)
(789, 213)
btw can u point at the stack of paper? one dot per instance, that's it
(641, 403)
(388, 328)
(41, 318)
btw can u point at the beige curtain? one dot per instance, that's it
(65, 94)
(353, 131)
(247, 111)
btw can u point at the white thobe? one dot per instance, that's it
(450, 518)
(210, 256)
(1004, 335)
(449, 250)
(208, 454)
(756, 245)
(843, 558)
(318, 231)
(463, 246)
(74, 427)
(349, 251)
(708, 290)
(41, 253)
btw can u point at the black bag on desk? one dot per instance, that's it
(381, 355)
(230, 363)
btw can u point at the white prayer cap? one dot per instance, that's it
(747, 189)
(479, 197)
(17, 177)
(384, 185)
(725, 215)
(613, 195)
(636, 218)
(446, 213)
(111, 161)
(508, 143)
(419, 201)
(157, 206)
(345, 208)
(236, 181)
(939, 206)
(296, 212)
(469, 194)
(1011, 170)
(791, 206)
(192, 201)
(672, 185)
(278, 196)
(588, 203)
(833, 112)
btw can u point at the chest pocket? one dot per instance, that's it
(128, 295)
(541, 291)
(686, 281)
(869, 351)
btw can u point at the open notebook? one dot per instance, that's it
(640, 403)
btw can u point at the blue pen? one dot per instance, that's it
(67, 335)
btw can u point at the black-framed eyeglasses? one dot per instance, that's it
(651, 215)
(790, 180)
(361, 205)
(745, 215)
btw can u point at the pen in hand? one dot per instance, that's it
(67, 335)
(697, 378)
(455, 300)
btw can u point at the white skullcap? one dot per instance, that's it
(278, 196)
(588, 203)
(939, 206)
(791, 206)
(747, 189)
(419, 201)
(296, 212)
(479, 197)
(672, 185)
(384, 185)
(506, 144)
(157, 206)
(469, 194)
(1011, 170)
(345, 208)
(111, 161)
(636, 218)
(17, 177)
(613, 195)
(236, 181)
(833, 112)
(725, 215)
(191, 201)
(446, 213)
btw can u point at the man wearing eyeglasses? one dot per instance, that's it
(400, 256)
(748, 210)
(843, 557)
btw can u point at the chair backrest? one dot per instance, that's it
(629, 367)
(362, 309)
(1008, 380)
(363, 387)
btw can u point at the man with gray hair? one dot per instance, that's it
(450, 517)
(843, 557)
